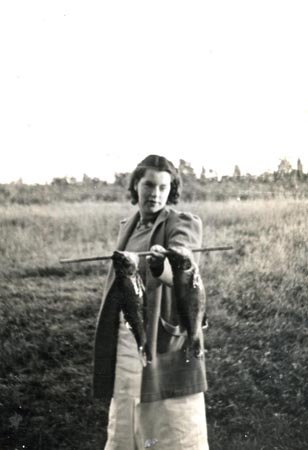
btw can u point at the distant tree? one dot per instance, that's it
(189, 179)
(300, 171)
(203, 175)
(92, 182)
(122, 179)
(86, 179)
(95, 182)
(284, 167)
(236, 172)
(59, 182)
(186, 169)
(18, 182)
(266, 177)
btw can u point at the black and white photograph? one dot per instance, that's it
(153, 225)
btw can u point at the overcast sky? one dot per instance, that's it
(94, 86)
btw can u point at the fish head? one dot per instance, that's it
(125, 263)
(180, 258)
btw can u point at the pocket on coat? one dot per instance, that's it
(170, 337)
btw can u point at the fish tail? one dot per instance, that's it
(198, 352)
(148, 354)
(187, 353)
(193, 348)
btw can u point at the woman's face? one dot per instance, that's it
(153, 191)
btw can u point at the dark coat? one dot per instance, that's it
(169, 375)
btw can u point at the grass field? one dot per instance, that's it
(257, 352)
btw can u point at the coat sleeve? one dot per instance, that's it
(182, 230)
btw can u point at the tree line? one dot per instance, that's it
(285, 182)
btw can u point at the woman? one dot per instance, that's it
(160, 405)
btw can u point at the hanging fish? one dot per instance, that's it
(190, 297)
(130, 293)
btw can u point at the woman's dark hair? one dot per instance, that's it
(161, 164)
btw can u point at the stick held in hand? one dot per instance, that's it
(148, 253)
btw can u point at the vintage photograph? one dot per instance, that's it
(153, 225)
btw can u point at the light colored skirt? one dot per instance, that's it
(171, 424)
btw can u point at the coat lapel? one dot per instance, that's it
(126, 229)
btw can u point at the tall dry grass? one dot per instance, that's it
(256, 341)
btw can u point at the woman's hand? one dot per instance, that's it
(157, 259)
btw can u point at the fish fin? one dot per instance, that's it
(205, 323)
(197, 280)
(138, 286)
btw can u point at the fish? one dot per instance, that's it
(190, 298)
(130, 293)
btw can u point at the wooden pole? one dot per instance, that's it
(148, 253)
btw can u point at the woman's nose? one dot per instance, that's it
(155, 192)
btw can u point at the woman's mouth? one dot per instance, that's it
(152, 203)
